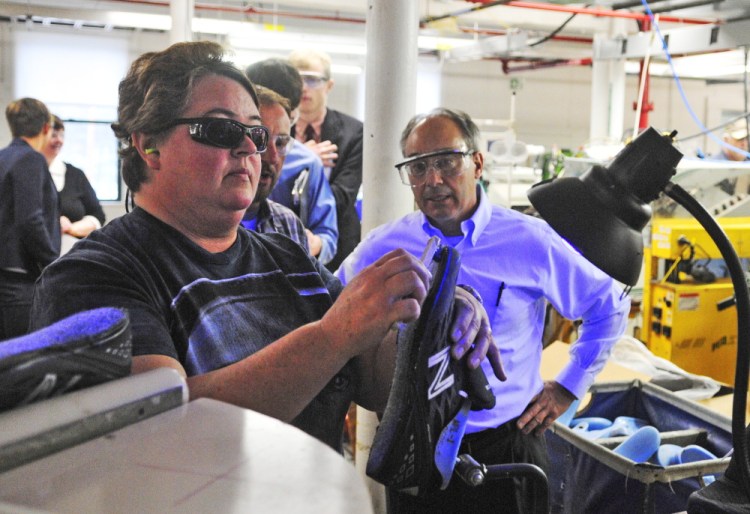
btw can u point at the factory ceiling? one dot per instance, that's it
(515, 32)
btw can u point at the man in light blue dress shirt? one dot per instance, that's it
(517, 264)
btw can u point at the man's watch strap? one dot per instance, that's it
(473, 292)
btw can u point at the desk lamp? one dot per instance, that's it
(602, 214)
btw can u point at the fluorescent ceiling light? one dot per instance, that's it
(274, 40)
(703, 66)
(442, 43)
(495, 46)
(223, 27)
(140, 20)
(243, 58)
(164, 22)
(714, 65)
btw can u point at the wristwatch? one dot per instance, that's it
(473, 292)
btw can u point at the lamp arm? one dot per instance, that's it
(737, 274)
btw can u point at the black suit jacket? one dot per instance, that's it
(346, 178)
(29, 210)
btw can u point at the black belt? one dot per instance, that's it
(490, 433)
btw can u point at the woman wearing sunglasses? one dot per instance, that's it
(248, 318)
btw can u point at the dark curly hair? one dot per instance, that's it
(156, 91)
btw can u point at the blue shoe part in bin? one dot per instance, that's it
(590, 424)
(695, 453)
(622, 425)
(672, 454)
(567, 416)
(640, 445)
(669, 455)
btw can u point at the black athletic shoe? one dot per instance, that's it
(79, 351)
(427, 391)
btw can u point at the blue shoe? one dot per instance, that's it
(669, 455)
(622, 425)
(695, 453)
(79, 351)
(590, 424)
(672, 454)
(640, 445)
(567, 416)
(626, 425)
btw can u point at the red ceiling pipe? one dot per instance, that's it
(598, 12)
(512, 3)
(536, 65)
(495, 32)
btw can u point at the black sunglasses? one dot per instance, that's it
(225, 133)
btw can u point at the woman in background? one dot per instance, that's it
(81, 212)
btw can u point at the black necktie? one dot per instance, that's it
(310, 133)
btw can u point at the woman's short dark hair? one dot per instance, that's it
(57, 123)
(463, 121)
(156, 91)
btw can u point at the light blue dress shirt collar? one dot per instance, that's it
(472, 227)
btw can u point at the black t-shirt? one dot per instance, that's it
(207, 310)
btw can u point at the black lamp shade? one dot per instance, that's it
(603, 213)
(592, 228)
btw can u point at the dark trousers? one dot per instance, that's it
(501, 445)
(16, 293)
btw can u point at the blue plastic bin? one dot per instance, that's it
(587, 477)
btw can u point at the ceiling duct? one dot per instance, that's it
(496, 46)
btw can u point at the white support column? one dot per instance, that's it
(607, 91)
(182, 20)
(390, 99)
(617, 99)
(599, 98)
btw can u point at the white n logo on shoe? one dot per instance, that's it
(441, 382)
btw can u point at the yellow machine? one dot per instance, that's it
(690, 323)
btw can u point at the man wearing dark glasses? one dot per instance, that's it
(516, 264)
(250, 319)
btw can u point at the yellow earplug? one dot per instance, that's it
(149, 151)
